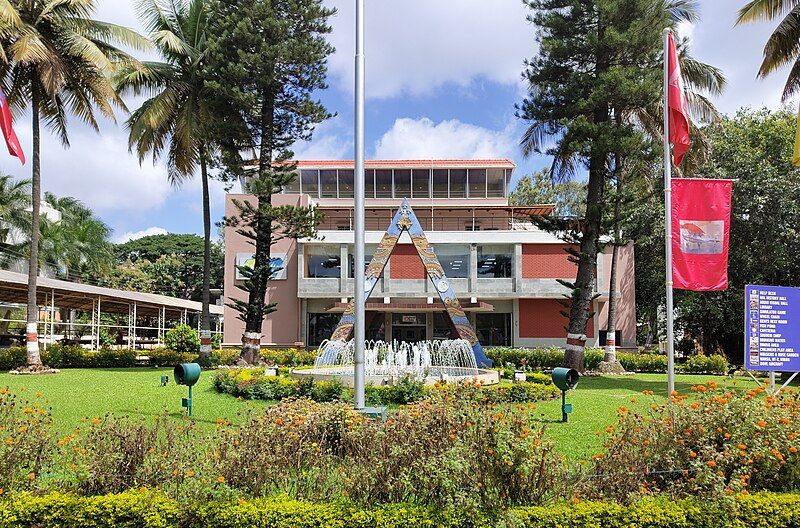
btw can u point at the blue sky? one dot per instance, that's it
(442, 80)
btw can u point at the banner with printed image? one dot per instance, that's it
(701, 225)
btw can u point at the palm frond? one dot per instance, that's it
(700, 76)
(761, 10)
(783, 45)
(682, 10)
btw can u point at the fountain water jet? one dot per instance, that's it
(430, 361)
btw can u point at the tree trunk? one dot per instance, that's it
(251, 340)
(610, 364)
(32, 335)
(205, 317)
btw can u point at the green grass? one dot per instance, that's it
(74, 394)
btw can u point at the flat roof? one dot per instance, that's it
(14, 289)
(410, 163)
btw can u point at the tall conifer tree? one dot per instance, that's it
(266, 58)
(597, 60)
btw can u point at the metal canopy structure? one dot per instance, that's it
(13, 289)
(55, 294)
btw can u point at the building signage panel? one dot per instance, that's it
(772, 328)
(277, 262)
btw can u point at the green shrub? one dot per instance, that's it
(225, 356)
(26, 441)
(509, 358)
(164, 357)
(12, 357)
(75, 356)
(182, 338)
(288, 357)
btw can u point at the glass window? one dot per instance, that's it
(496, 183)
(292, 187)
(369, 250)
(346, 183)
(327, 183)
(442, 326)
(402, 183)
(477, 183)
(440, 183)
(383, 183)
(321, 327)
(454, 259)
(494, 261)
(310, 182)
(494, 329)
(421, 180)
(322, 262)
(458, 183)
(408, 319)
(369, 183)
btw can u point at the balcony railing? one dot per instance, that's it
(380, 221)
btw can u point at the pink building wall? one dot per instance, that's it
(282, 326)
(626, 286)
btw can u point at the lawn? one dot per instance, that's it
(86, 393)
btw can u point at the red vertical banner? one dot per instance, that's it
(701, 226)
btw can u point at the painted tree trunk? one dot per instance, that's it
(205, 316)
(32, 335)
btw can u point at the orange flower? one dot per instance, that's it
(742, 447)
(762, 424)
(711, 464)
(785, 421)
(692, 454)
(729, 491)
(793, 449)
(220, 479)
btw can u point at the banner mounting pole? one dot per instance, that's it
(668, 223)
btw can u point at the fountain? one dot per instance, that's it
(449, 361)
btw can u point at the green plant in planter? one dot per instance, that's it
(182, 338)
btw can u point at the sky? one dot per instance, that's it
(443, 77)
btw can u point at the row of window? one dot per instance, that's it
(403, 183)
(493, 329)
(493, 262)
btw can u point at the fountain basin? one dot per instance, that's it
(447, 375)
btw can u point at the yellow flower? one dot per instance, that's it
(220, 479)
(190, 473)
(31, 476)
(95, 421)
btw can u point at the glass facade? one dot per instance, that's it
(421, 183)
(454, 259)
(322, 262)
(321, 327)
(494, 261)
(403, 183)
(369, 250)
(494, 329)
(442, 326)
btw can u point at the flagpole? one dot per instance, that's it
(668, 222)
(358, 173)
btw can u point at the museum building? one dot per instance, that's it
(504, 269)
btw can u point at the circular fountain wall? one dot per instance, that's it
(449, 361)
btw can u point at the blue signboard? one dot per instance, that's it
(772, 328)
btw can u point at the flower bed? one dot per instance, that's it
(252, 384)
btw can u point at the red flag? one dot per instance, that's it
(701, 226)
(14, 148)
(678, 107)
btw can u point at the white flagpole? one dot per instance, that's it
(358, 173)
(668, 222)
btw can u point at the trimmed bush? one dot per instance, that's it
(12, 357)
(182, 338)
(288, 357)
(549, 358)
(150, 509)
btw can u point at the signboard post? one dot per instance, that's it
(772, 329)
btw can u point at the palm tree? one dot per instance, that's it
(56, 57)
(76, 244)
(15, 220)
(783, 46)
(175, 120)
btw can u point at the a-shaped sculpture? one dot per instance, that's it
(405, 220)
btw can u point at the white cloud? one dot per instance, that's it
(125, 237)
(417, 46)
(333, 139)
(424, 139)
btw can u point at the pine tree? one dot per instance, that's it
(598, 60)
(266, 58)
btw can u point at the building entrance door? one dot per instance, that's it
(410, 328)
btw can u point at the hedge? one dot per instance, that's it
(251, 384)
(152, 509)
(550, 358)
